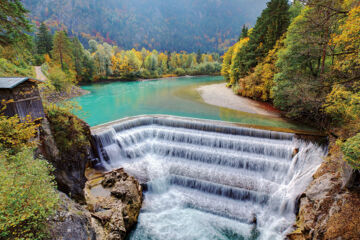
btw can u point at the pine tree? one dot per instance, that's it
(244, 32)
(13, 22)
(62, 50)
(198, 56)
(43, 40)
(78, 53)
(269, 27)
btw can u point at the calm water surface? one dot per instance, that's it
(171, 96)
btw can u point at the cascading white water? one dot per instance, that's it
(210, 180)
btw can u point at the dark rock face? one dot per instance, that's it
(72, 221)
(69, 165)
(114, 201)
(329, 208)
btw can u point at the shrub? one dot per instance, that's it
(144, 73)
(67, 129)
(180, 72)
(39, 59)
(27, 195)
(15, 135)
(60, 80)
(351, 151)
(8, 69)
(207, 68)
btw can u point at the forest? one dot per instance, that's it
(304, 58)
(65, 58)
(164, 25)
(301, 56)
(66, 62)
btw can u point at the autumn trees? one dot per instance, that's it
(132, 64)
(309, 68)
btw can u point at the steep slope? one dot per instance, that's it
(161, 24)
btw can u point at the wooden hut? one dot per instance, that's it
(22, 97)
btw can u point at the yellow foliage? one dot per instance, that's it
(348, 40)
(258, 84)
(16, 135)
(343, 105)
(47, 58)
(225, 68)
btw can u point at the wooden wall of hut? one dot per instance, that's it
(24, 100)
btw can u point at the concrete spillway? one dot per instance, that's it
(209, 179)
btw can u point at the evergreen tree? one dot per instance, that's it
(83, 62)
(79, 57)
(13, 22)
(269, 27)
(43, 40)
(62, 50)
(198, 56)
(244, 32)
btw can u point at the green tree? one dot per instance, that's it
(269, 27)
(244, 32)
(83, 62)
(302, 84)
(62, 51)
(198, 56)
(93, 46)
(43, 40)
(237, 67)
(151, 62)
(351, 150)
(134, 62)
(102, 60)
(13, 22)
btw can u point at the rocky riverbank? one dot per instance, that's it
(327, 209)
(113, 202)
(74, 91)
(98, 206)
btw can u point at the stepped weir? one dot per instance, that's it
(210, 179)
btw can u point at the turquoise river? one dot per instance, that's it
(171, 96)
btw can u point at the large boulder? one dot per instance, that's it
(114, 201)
(71, 221)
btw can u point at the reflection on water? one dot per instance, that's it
(171, 96)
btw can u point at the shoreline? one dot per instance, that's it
(142, 79)
(219, 95)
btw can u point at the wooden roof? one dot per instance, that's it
(11, 82)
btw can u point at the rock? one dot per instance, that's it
(351, 179)
(114, 202)
(111, 178)
(328, 208)
(71, 221)
(69, 165)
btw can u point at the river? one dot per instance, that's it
(171, 96)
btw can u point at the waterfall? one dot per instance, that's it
(208, 179)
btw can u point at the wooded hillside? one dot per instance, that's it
(164, 25)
